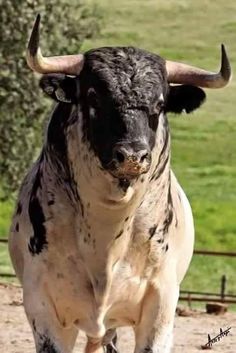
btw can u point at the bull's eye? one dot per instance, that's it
(159, 107)
(93, 98)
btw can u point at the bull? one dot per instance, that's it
(103, 234)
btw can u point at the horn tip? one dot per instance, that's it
(34, 38)
(225, 64)
(38, 18)
(223, 47)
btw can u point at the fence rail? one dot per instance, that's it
(190, 296)
(206, 294)
(206, 299)
(214, 253)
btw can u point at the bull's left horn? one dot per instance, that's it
(67, 64)
(185, 74)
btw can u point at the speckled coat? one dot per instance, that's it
(93, 251)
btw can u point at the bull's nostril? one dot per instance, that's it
(144, 156)
(119, 157)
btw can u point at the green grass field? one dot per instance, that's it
(203, 144)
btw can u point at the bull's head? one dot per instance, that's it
(122, 93)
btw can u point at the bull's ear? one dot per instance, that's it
(184, 98)
(60, 87)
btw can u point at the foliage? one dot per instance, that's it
(22, 107)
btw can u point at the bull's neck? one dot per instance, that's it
(108, 205)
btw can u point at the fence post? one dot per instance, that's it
(223, 287)
(189, 301)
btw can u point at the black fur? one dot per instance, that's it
(164, 154)
(38, 240)
(57, 128)
(124, 184)
(123, 98)
(34, 325)
(184, 98)
(60, 88)
(152, 231)
(148, 349)
(56, 150)
(119, 234)
(162, 167)
(51, 202)
(46, 345)
(19, 208)
(169, 213)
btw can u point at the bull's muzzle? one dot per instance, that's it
(130, 163)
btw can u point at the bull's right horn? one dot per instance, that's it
(186, 74)
(67, 64)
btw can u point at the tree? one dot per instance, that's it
(65, 24)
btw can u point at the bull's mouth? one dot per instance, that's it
(124, 184)
(127, 174)
(127, 171)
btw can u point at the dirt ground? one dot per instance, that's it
(189, 333)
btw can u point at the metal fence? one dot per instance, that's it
(222, 297)
(189, 295)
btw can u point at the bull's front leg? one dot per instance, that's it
(50, 335)
(154, 332)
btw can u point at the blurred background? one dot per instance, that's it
(203, 143)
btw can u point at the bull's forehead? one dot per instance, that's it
(127, 73)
